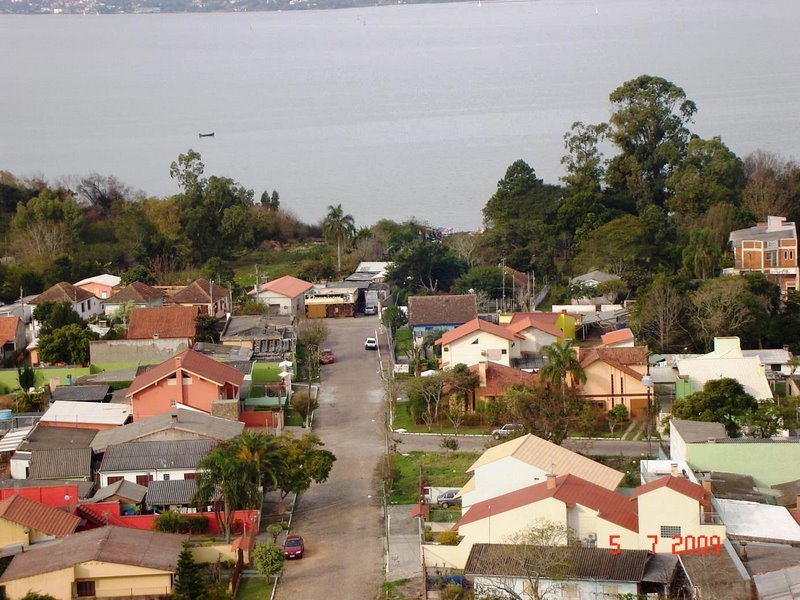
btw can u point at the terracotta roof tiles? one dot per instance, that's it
(37, 516)
(478, 325)
(199, 292)
(162, 322)
(63, 292)
(8, 329)
(193, 362)
(137, 292)
(288, 286)
(442, 310)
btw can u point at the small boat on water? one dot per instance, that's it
(211, 134)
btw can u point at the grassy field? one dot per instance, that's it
(9, 382)
(403, 420)
(438, 468)
(265, 373)
(276, 264)
(403, 341)
(253, 588)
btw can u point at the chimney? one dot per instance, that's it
(712, 440)
(797, 502)
(743, 551)
(707, 485)
(482, 366)
(674, 469)
(551, 481)
(178, 361)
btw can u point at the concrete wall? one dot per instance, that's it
(556, 590)
(121, 581)
(142, 352)
(535, 340)
(664, 507)
(56, 583)
(12, 533)
(210, 554)
(768, 463)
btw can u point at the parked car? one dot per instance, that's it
(293, 547)
(370, 344)
(448, 499)
(507, 430)
(326, 356)
(371, 310)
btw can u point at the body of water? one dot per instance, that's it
(393, 112)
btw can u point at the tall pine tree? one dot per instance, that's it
(190, 581)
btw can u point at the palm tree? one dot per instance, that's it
(260, 455)
(562, 361)
(340, 228)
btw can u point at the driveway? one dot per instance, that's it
(340, 519)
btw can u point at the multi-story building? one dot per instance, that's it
(770, 248)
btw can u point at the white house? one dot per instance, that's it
(525, 461)
(84, 303)
(478, 341)
(285, 295)
(538, 330)
(727, 360)
(143, 462)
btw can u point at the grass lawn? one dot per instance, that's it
(9, 381)
(403, 420)
(276, 264)
(253, 588)
(403, 341)
(294, 419)
(438, 468)
(264, 372)
(624, 464)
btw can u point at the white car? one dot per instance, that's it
(370, 344)
(507, 430)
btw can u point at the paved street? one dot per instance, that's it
(411, 442)
(340, 520)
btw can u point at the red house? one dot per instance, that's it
(190, 380)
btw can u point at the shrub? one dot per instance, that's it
(172, 521)
(449, 538)
(450, 443)
(301, 404)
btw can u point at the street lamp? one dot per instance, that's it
(647, 381)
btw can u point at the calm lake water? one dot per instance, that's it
(394, 112)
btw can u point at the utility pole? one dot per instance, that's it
(503, 271)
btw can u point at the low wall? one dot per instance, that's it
(138, 352)
(211, 554)
(270, 419)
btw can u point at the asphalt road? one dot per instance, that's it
(340, 520)
(409, 442)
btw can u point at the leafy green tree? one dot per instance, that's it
(38, 596)
(48, 225)
(719, 307)
(701, 257)
(615, 415)
(616, 247)
(138, 273)
(338, 228)
(765, 421)
(190, 580)
(204, 327)
(188, 170)
(68, 344)
(26, 377)
(649, 125)
(424, 266)
(562, 365)
(545, 411)
(393, 318)
(709, 173)
(721, 401)
(260, 455)
(268, 559)
(425, 395)
(54, 315)
(488, 280)
(305, 461)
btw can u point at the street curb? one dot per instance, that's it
(487, 435)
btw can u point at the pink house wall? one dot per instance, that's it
(51, 496)
(157, 399)
(110, 510)
(98, 289)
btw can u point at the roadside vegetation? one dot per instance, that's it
(436, 468)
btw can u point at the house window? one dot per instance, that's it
(166, 476)
(670, 531)
(503, 351)
(771, 259)
(113, 479)
(82, 306)
(85, 589)
(788, 255)
(173, 403)
(610, 589)
(622, 385)
(144, 480)
(104, 295)
(476, 341)
(190, 475)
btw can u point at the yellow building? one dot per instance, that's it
(111, 562)
(25, 522)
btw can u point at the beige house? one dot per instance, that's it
(479, 341)
(284, 295)
(110, 562)
(614, 376)
(538, 330)
(525, 461)
(649, 519)
(25, 522)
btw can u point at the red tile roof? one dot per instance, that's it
(199, 292)
(193, 362)
(442, 310)
(8, 329)
(63, 292)
(136, 292)
(619, 335)
(478, 325)
(500, 377)
(288, 286)
(619, 358)
(570, 490)
(678, 484)
(37, 516)
(166, 321)
(542, 321)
